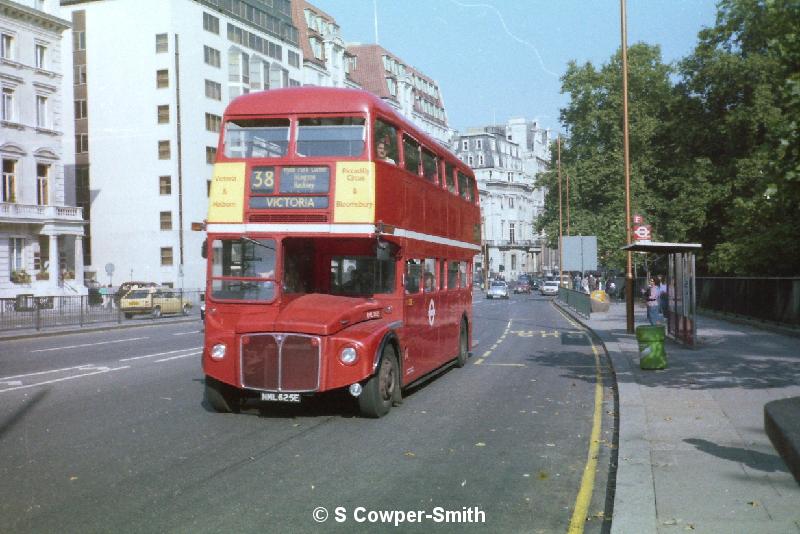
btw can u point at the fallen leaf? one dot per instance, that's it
(480, 444)
(463, 483)
(409, 454)
(73, 478)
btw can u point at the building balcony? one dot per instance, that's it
(531, 245)
(27, 213)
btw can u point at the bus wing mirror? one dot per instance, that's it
(383, 251)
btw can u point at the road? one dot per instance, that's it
(107, 432)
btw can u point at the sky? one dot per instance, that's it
(498, 59)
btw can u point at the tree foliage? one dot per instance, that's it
(714, 143)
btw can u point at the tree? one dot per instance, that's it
(592, 156)
(741, 99)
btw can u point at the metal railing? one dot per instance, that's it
(577, 300)
(767, 299)
(27, 312)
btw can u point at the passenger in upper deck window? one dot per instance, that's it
(429, 282)
(382, 153)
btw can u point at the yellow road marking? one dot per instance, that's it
(499, 340)
(584, 497)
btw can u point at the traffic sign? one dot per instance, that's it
(642, 232)
(638, 219)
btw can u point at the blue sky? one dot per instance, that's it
(497, 59)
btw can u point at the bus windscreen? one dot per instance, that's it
(331, 136)
(256, 138)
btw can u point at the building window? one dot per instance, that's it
(7, 105)
(511, 232)
(162, 45)
(80, 109)
(16, 254)
(41, 112)
(42, 184)
(79, 74)
(162, 78)
(294, 59)
(81, 143)
(40, 53)
(78, 41)
(480, 160)
(9, 180)
(513, 260)
(479, 144)
(165, 185)
(211, 154)
(7, 46)
(211, 56)
(166, 220)
(391, 84)
(213, 90)
(166, 256)
(213, 122)
(510, 202)
(210, 23)
(163, 114)
(470, 161)
(164, 151)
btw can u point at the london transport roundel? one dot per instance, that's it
(431, 312)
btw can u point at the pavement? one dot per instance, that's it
(693, 453)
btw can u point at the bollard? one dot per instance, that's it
(651, 347)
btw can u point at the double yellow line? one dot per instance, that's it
(584, 498)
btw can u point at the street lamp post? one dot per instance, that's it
(627, 159)
(560, 221)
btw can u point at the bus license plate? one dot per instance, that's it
(280, 397)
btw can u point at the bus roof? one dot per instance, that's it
(312, 99)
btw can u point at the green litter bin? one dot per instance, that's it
(651, 347)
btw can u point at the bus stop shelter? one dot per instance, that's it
(681, 324)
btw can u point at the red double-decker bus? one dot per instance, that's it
(340, 245)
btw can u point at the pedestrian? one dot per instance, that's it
(652, 303)
(611, 288)
(663, 296)
(585, 284)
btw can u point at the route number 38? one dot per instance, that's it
(262, 180)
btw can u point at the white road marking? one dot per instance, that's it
(91, 344)
(187, 333)
(157, 354)
(100, 370)
(178, 357)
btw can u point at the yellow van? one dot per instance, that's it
(153, 301)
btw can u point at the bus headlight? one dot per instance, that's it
(218, 352)
(348, 355)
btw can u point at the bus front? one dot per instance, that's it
(301, 292)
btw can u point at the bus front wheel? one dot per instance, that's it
(463, 349)
(222, 397)
(383, 388)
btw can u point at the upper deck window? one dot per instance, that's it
(332, 136)
(256, 138)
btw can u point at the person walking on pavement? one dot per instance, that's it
(652, 303)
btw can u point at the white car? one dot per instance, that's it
(550, 287)
(497, 289)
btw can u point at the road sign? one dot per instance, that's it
(109, 269)
(641, 232)
(638, 219)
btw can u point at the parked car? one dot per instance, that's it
(549, 288)
(523, 284)
(497, 289)
(126, 287)
(153, 301)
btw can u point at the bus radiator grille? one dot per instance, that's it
(280, 362)
(278, 218)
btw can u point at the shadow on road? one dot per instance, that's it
(16, 417)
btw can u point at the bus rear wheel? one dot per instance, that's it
(463, 350)
(222, 397)
(383, 388)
